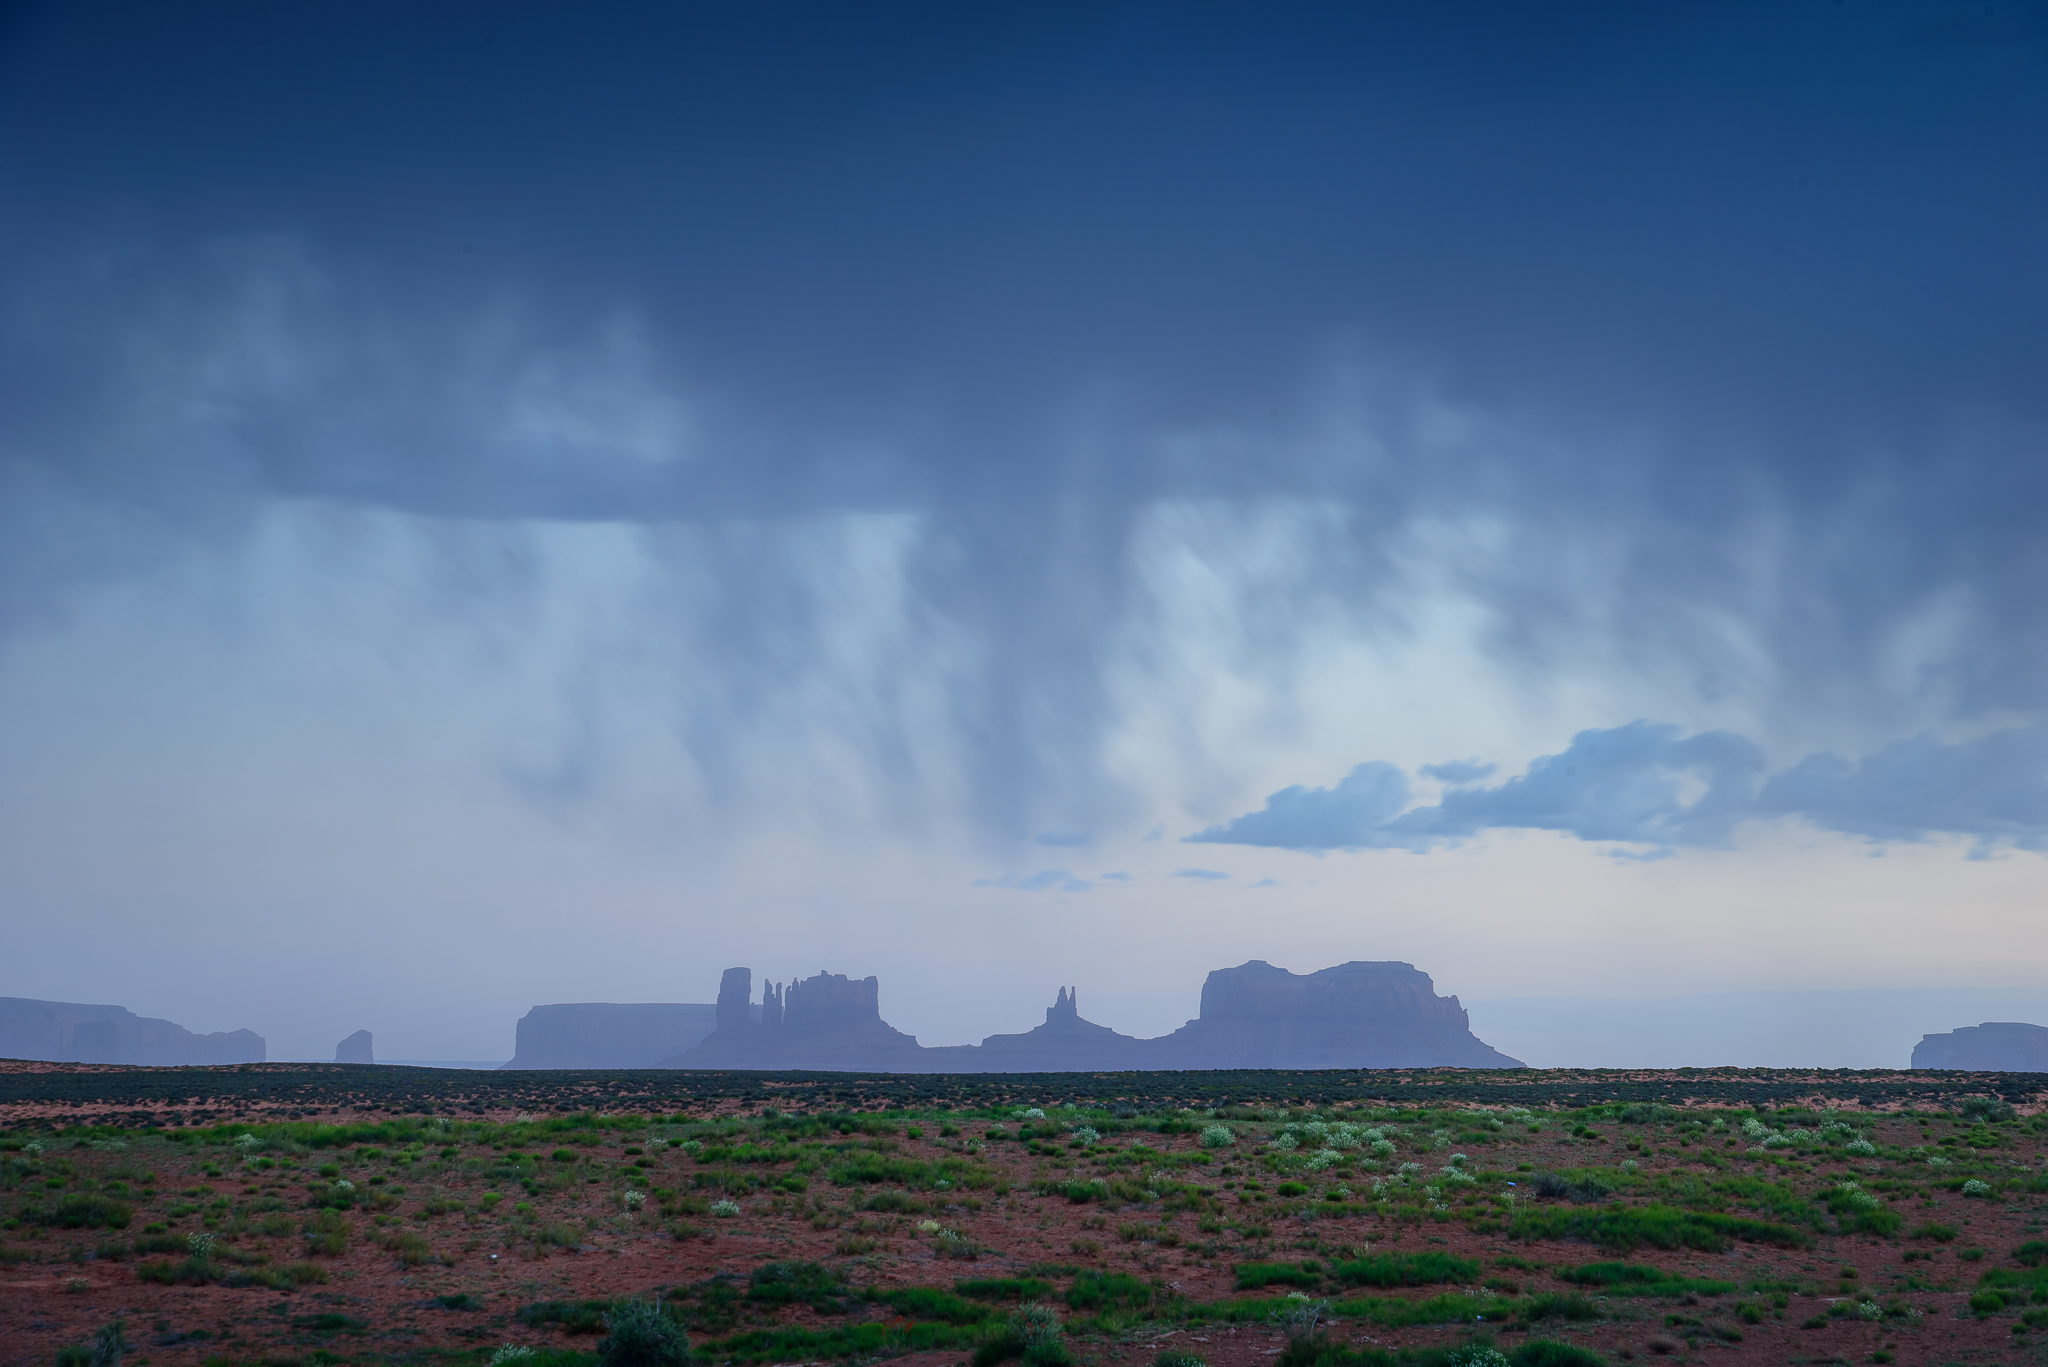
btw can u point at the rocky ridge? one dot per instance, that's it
(1355, 1015)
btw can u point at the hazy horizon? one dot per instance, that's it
(516, 504)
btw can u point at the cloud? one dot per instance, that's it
(1059, 879)
(1993, 789)
(1267, 883)
(1199, 873)
(1648, 784)
(1118, 877)
(1457, 771)
(1344, 817)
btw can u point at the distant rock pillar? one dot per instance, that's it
(355, 1049)
(734, 989)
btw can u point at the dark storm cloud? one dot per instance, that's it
(1721, 314)
(1629, 784)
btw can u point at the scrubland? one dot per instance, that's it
(1101, 1232)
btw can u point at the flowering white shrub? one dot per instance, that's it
(1857, 1197)
(1283, 1141)
(1383, 1148)
(1323, 1158)
(1630, 1165)
(1406, 1168)
(1862, 1148)
(692, 1147)
(1032, 1114)
(1478, 1355)
(344, 1186)
(1973, 1187)
(1457, 1160)
(633, 1198)
(927, 1226)
(1087, 1134)
(1869, 1310)
(201, 1243)
(1937, 1161)
(725, 1210)
(247, 1142)
(513, 1354)
(1456, 1175)
(1754, 1128)
(1218, 1136)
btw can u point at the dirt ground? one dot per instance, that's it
(378, 1303)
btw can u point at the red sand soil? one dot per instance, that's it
(51, 1302)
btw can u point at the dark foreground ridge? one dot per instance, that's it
(1355, 1015)
(52, 1096)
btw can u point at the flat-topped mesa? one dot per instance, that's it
(1993, 1047)
(78, 1032)
(613, 1034)
(1065, 1043)
(357, 1048)
(1355, 1015)
(829, 1022)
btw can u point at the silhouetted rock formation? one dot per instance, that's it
(1356, 1015)
(70, 1032)
(613, 1034)
(355, 1049)
(1065, 1043)
(829, 1022)
(1993, 1047)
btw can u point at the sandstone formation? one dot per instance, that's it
(1993, 1047)
(1065, 1043)
(609, 1034)
(1356, 1015)
(828, 1022)
(355, 1049)
(70, 1032)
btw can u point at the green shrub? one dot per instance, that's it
(930, 1303)
(79, 1211)
(1549, 1353)
(1004, 1288)
(109, 1341)
(1940, 1234)
(1558, 1305)
(1254, 1276)
(1004, 1345)
(1406, 1269)
(789, 1283)
(1623, 1229)
(1095, 1290)
(327, 1232)
(643, 1334)
(574, 1317)
(1178, 1357)
(2033, 1253)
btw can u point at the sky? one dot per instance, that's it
(510, 503)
